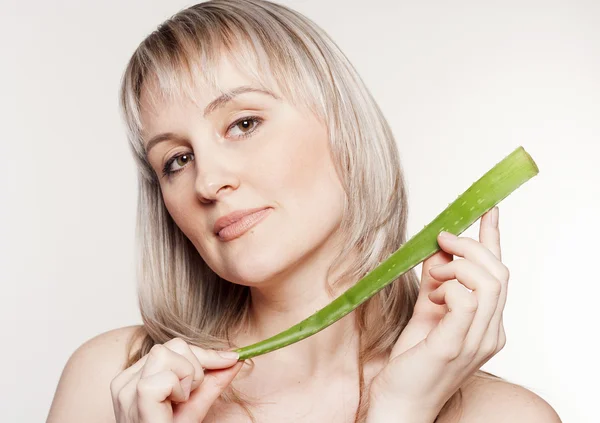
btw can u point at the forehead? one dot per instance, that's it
(163, 101)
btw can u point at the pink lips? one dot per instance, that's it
(237, 223)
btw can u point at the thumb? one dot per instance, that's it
(202, 398)
(415, 331)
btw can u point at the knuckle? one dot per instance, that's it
(470, 303)
(504, 273)
(122, 398)
(461, 268)
(147, 386)
(143, 387)
(114, 385)
(495, 287)
(157, 351)
(501, 344)
(177, 344)
(501, 340)
(469, 353)
(200, 353)
(451, 351)
(117, 388)
(488, 348)
(459, 263)
(503, 283)
(190, 370)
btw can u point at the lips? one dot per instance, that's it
(237, 223)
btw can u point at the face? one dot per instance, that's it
(255, 151)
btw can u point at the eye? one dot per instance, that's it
(180, 159)
(247, 125)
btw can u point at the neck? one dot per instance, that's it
(292, 297)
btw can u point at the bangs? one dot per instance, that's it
(183, 54)
(178, 74)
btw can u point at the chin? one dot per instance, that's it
(258, 259)
(255, 268)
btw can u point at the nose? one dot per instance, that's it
(214, 178)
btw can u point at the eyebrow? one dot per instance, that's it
(217, 103)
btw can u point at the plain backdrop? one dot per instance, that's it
(462, 84)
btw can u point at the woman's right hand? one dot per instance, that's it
(169, 384)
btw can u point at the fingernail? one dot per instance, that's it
(447, 235)
(432, 268)
(494, 219)
(228, 354)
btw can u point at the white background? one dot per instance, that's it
(462, 83)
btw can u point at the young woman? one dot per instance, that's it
(269, 183)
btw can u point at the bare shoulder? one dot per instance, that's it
(83, 391)
(499, 401)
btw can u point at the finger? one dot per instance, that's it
(489, 234)
(127, 394)
(163, 358)
(497, 318)
(447, 338)
(182, 348)
(475, 252)
(200, 401)
(415, 332)
(125, 376)
(485, 287)
(126, 385)
(496, 328)
(428, 284)
(153, 393)
(212, 359)
(436, 259)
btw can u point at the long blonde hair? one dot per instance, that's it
(179, 295)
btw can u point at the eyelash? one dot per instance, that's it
(257, 120)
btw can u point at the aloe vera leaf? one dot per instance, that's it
(505, 177)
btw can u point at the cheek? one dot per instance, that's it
(304, 166)
(309, 185)
(186, 214)
(175, 204)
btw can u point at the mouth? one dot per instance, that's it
(241, 226)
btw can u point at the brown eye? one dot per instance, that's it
(180, 160)
(246, 125)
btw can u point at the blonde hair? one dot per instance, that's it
(179, 295)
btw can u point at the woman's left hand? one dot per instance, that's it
(453, 330)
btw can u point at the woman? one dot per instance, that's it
(269, 183)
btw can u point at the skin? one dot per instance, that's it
(286, 165)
